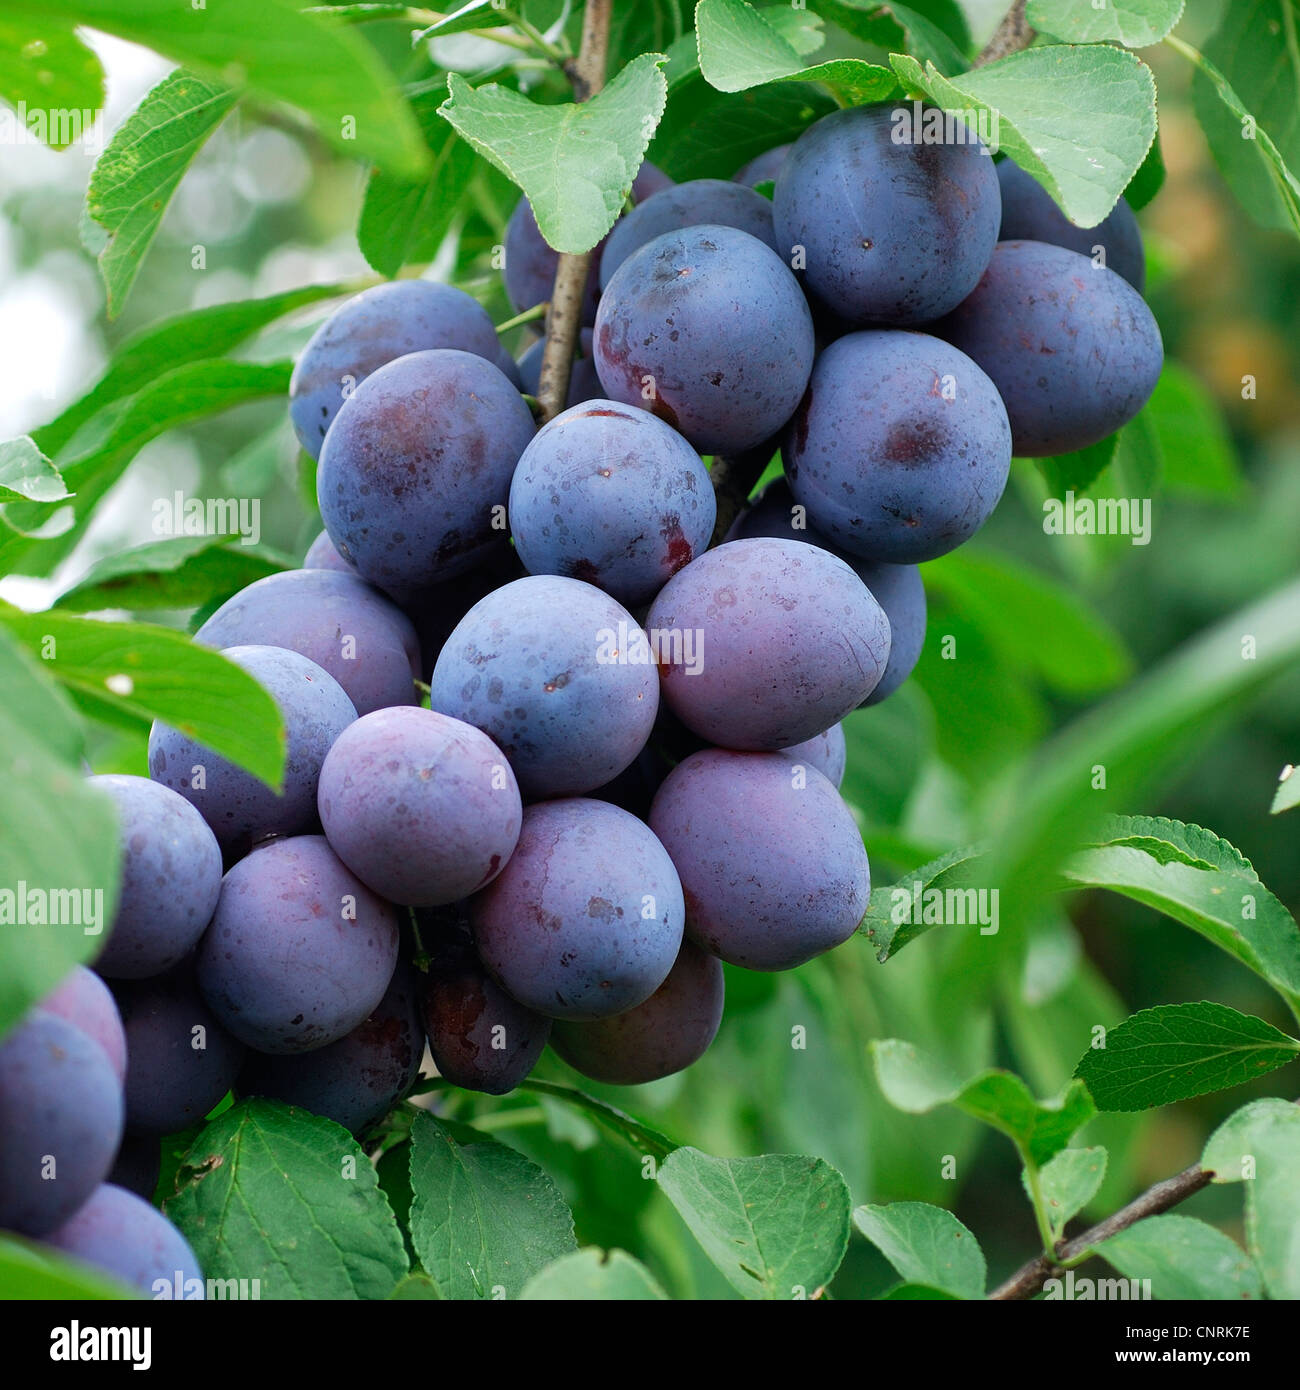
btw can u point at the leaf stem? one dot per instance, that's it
(1040, 1210)
(538, 311)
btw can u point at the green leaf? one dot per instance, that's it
(1176, 1051)
(55, 77)
(776, 1226)
(183, 572)
(1174, 842)
(575, 161)
(739, 49)
(914, 1082)
(1181, 1257)
(891, 920)
(289, 1199)
(31, 1273)
(477, 14)
(1197, 453)
(1079, 119)
(134, 179)
(1077, 472)
(637, 1133)
(913, 1293)
(275, 50)
(128, 674)
(1260, 1146)
(1134, 23)
(1149, 179)
(404, 221)
(932, 30)
(485, 1218)
(593, 1275)
(1287, 796)
(926, 1245)
(1068, 1183)
(26, 474)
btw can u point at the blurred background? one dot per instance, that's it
(274, 209)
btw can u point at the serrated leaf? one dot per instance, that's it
(1174, 842)
(30, 1272)
(575, 161)
(142, 166)
(289, 1199)
(891, 919)
(1079, 119)
(776, 1226)
(1287, 796)
(926, 1245)
(484, 1218)
(1149, 179)
(1182, 1258)
(129, 674)
(593, 1275)
(1134, 23)
(1068, 1183)
(1077, 471)
(27, 475)
(58, 81)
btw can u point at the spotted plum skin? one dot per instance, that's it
(371, 329)
(892, 233)
(480, 1038)
(240, 809)
(901, 448)
(719, 202)
(171, 878)
(547, 667)
(658, 1038)
(771, 861)
(300, 950)
(609, 494)
(323, 554)
(1071, 347)
(1029, 213)
(708, 329)
(416, 461)
(898, 589)
(786, 640)
(126, 1237)
(86, 1002)
(358, 1079)
(827, 752)
(586, 919)
(424, 809)
(336, 620)
(182, 1060)
(60, 1122)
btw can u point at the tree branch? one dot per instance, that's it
(1013, 34)
(586, 72)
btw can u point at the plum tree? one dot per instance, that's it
(423, 808)
(889, 230)
(240, 809)
(708, 329)
(608, 494)
(166, 843)
(586, 919)
(542, 666)
(417, 459)
(347, 628)
(299, 952)
(765, 643)
(85, 1001)
(1071, 346)
(771, 861)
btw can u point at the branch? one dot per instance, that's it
(1013, 34)
(587, 74)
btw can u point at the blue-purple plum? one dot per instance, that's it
(85, 1001)
(719, 202)
(665, 1034)
(1071, 346)
(323, 554)
(373, 328)
(764, 643)
(181, 1060)
(888, 230)
(423, 808)
(1030, 213)
(708, 329)
(358, 1079)
(240, 809)
(417, 462)
(763, 168)
(608, 494)
(584, 384)
(121, 1234)
(349, 629)
(559, 677)
(300, 950)
(901, 449)
(586, 919)
(771, 861)
(435, 611)
(827, 752)
(60, 1122)
(171, 878)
